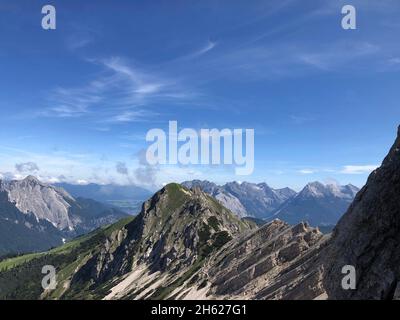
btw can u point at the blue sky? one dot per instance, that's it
(76, 102)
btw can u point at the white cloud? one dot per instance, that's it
(306, 171)
(358, 169)
(61, 166)
(82, 182)
(208, 47)
(121, 168)
(127, 116)
(26, 167)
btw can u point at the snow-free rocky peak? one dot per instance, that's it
(44, 201)
(37, 216)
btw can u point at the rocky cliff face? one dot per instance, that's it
(56, 206)
(42, 200)
(368, 237)
(21, 232)
(37, 216)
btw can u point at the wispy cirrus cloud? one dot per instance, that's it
(72, 102)
(78, 41)
(121, 93)
(203, 50)
(335, 55)
(129, 116)
(346, 169)
(293, 59)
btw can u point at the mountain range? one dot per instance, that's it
(37, 216)
(245, 199)
(317, 203)
(185, 244)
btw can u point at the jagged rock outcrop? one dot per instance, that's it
(274, 262)
(368, 237)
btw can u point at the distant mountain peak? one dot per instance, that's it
(31, 178)
(316, 184)
(313, 189)
(263, 185)
(246, 198)
(318, 203)
(176, 228)
(50, 205)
